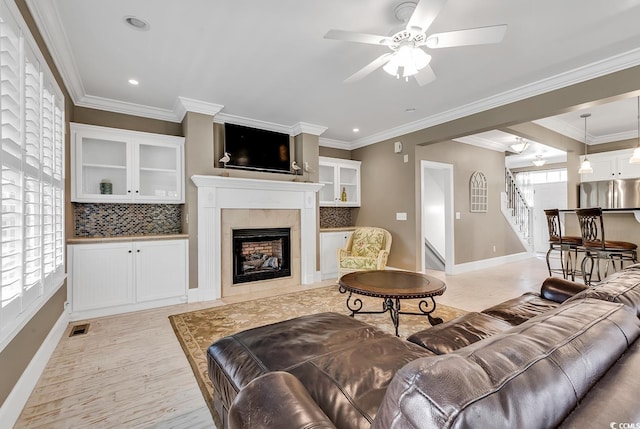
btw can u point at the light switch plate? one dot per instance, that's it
(401, 216)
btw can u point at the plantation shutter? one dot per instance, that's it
(32, 159)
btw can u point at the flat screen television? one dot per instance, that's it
(255, 149)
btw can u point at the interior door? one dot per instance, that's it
(546, 196)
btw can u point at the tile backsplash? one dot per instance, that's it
(335, 217)
(112, 220)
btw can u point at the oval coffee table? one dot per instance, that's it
(392, 286)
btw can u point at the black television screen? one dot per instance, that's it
(255, 149)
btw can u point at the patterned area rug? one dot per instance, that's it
(197, 330)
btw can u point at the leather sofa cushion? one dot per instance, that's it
(522, 308)
(345, 364)
(276, 400)
(459, 332)
(622, 286)
(614, 398)
(530, 376)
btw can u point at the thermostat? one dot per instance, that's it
(397, 147)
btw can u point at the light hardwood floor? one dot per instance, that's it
(129, 371)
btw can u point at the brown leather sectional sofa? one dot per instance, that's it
(568, 357)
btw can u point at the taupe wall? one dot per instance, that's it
(335, 153)
(389, 186)
(19, 352)
(475, 233)
(85, 115)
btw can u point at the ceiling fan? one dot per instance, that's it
(406, 45)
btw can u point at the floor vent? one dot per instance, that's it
(79, 330)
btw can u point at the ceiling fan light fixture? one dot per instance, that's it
(411, 59)
(391, 66)
(420, 58)
(432, 42)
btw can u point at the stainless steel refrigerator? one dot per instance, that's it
(611, 194)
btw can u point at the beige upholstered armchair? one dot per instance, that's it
(367, 249)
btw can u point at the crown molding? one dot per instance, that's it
(127, 108)
(47, 19)
(222, 118)
(578, 75)
(294, 130)
(184, 105)
(306, 128)
(561, 127)
(335, 144)
(482, 142)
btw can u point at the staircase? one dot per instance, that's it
(517, 211)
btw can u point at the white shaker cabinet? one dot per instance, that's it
(111, 278)
(611, 165)
(330, 242)
(338, 176)
(119, 166)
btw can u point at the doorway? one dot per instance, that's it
(546, 196)
(437, 245)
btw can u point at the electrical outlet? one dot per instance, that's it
(494, 248)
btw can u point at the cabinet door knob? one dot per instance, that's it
(129, 251)
(137, 192)
(138, 250)
(128, 191)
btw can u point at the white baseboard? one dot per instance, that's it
(490, 263)
(198, 295)
(15, 402)
(109, 311)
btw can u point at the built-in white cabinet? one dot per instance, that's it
(111, 278)
(330, 242)
(339, 176)
(119, 166)
(611, 165)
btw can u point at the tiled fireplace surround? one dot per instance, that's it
(226, 203)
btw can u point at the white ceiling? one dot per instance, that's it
(267, 63)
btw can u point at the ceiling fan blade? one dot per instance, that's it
(372, 66)
(351, 36)
(471, 36)
(424, 14)
(425, 76)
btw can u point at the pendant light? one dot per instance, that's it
(585, 167)
(635, 158)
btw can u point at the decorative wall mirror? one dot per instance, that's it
(478, 193)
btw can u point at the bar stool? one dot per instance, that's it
(596, 247)
(567, 246)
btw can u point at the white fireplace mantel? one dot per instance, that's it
(216, 193)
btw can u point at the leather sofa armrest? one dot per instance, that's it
(276, 400)
(559, 290)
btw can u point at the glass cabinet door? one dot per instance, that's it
(327, 178)
(103, 166)
(158, 172)
(349, 185)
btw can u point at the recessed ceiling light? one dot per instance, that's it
(133, 82)
(355, 130)
(137, 23)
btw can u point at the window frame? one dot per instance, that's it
(37, 164)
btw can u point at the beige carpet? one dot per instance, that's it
(197, 330)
